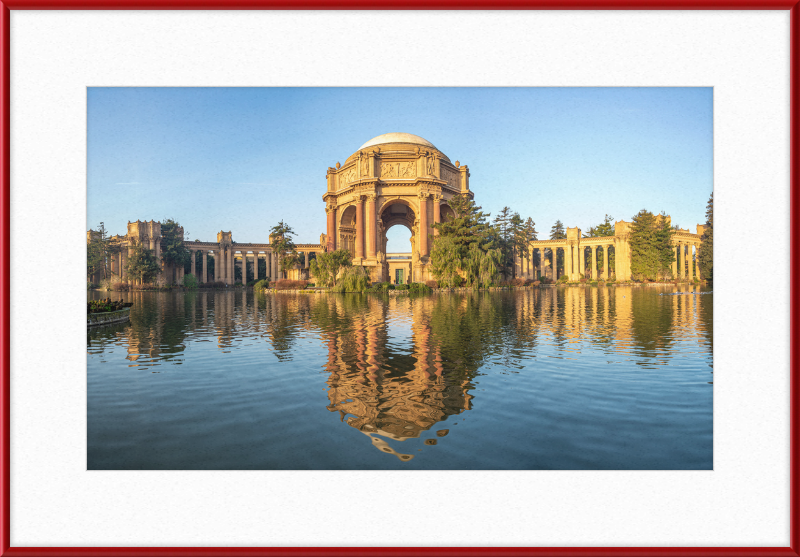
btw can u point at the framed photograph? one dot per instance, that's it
(357, 287)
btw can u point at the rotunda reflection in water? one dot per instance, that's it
(387, 392)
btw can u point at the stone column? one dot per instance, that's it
(567, 261)
(674, 263)
(193, 269)
(230, 265)
(122, 273)
(594, 262)
(606, 270)
(681, 261)
(255, 265)
(204, 273)
(359, 228)
(244, 267)
(331, 240)
(372, 228)
(274, 266)
(305, 254)
(437, 212)
(217, 265)
(423, 224)
(690, 259)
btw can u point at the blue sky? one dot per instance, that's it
(242, 159)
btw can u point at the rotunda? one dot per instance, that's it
(394, 179)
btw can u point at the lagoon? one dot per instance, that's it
(617, 377)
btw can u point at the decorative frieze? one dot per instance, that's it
(405, 170)
(452, 177)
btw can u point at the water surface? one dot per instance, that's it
(547, 378)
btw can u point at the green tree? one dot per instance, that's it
(557, 232)
(651, 246)
(282, 244)
(509, 228)
(502, 222)
(142, 264)
(173, 252)
(99, 251)
(466, 243)
(705, 255)
(326, 266)
(529, 235)
(516, 241)
(446, 261)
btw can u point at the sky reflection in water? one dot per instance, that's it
(551, 378)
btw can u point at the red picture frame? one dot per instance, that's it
(5, 509)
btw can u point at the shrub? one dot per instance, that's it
(401, 287)
(310, 285)
(381, 287)
(287, 284)
(593, 283)
(353, 279)
(419, 288)
(102, 306)
(261, 285)
(190, 282)
(612, 277)
(562, 279)
(431, 284)
(251, 282)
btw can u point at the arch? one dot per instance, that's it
(347, 215)
(446, 212)
(395, 200)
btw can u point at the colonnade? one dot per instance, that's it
(684, 263)
(226, 257)
(574, 262)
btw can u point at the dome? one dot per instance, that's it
(397, 138)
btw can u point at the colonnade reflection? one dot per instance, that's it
(395, 368)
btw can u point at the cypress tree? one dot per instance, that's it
(705, 255)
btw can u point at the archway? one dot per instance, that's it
(347, 229)
(397, 246)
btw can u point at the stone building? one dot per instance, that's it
(581, 254)
(395, 179)
(225, 251)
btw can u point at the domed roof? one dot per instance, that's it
(397, 138)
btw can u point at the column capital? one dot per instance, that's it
(437, 197)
